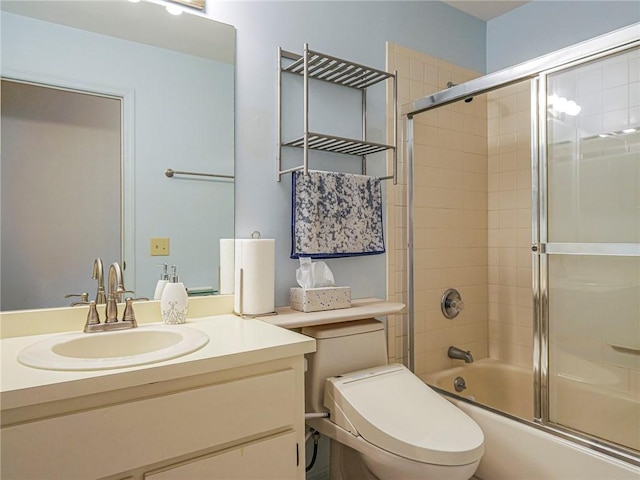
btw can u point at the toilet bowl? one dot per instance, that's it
(384, 422)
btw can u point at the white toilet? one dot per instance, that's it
(384, 423)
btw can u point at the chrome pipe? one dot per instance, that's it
(308, 416)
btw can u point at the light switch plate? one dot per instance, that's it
(159, 247)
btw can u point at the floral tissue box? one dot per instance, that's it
(319, 299)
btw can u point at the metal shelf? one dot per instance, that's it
(331, 69)
(330, 143)
(319, 66)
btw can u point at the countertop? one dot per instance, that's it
(233, 342)
(360, 308)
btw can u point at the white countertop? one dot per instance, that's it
(233, 342)
(360, 308)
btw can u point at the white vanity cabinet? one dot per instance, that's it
(247, 423)
(235, 415)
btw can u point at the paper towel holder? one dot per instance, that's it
(255, 235)
(241, 313)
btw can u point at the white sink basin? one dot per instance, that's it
(103, 350)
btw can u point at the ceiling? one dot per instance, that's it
(484, 9)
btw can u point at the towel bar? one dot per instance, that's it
(170, 173)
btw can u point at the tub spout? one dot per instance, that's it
(459, 354)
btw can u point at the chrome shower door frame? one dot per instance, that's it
(536, 71)
(543, 249)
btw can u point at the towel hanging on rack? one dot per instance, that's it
(335, 215)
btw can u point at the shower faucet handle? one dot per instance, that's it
(451, 303)
(456, 304)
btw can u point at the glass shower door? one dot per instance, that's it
(590, 249)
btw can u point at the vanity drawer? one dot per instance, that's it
(270, 458)
(118, 438)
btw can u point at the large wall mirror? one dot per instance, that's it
(99, 99)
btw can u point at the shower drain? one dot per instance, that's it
(459, 384)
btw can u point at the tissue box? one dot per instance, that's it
(319, 299)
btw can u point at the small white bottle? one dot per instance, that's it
(174, 302)
(164, 279)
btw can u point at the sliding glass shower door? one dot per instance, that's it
(589, 248)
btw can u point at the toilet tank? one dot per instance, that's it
(341, 348)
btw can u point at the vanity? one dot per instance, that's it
(234, 407)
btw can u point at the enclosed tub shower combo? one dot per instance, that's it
(524, 196)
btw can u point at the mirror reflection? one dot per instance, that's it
(99, 99)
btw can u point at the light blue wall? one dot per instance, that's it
(541, 27)
(356, 31)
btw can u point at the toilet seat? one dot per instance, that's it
(391, 408)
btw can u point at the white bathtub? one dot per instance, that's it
(516, 450)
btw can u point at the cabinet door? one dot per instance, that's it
(273, 458)
(151, 430)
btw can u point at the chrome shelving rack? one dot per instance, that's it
(324, 67)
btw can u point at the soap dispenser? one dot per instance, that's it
(164, 279)
(174, 301)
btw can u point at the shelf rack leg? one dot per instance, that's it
(306, 109)
(279, 133)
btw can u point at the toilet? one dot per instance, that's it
(384, 423)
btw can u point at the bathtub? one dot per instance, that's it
(519, 449)
(498, 385)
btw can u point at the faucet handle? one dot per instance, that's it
(92, 317)
(119, 292)
(129, 315)
(84, 298)
(451, 303)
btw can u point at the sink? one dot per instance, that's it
(117, 349)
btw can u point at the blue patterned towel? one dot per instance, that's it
(335, 215)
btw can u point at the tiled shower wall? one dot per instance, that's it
(472, 219)
(450, 216)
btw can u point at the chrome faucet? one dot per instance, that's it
(116, 289)
(98, 274)
(116, 282)
(459, 354)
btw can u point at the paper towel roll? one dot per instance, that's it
(227, 272)
(256, 258)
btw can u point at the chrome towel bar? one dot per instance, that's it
(170, 173)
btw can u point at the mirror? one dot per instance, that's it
(173, 79)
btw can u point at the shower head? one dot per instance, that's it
(451, 84)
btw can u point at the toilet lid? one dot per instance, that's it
(393, 409)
